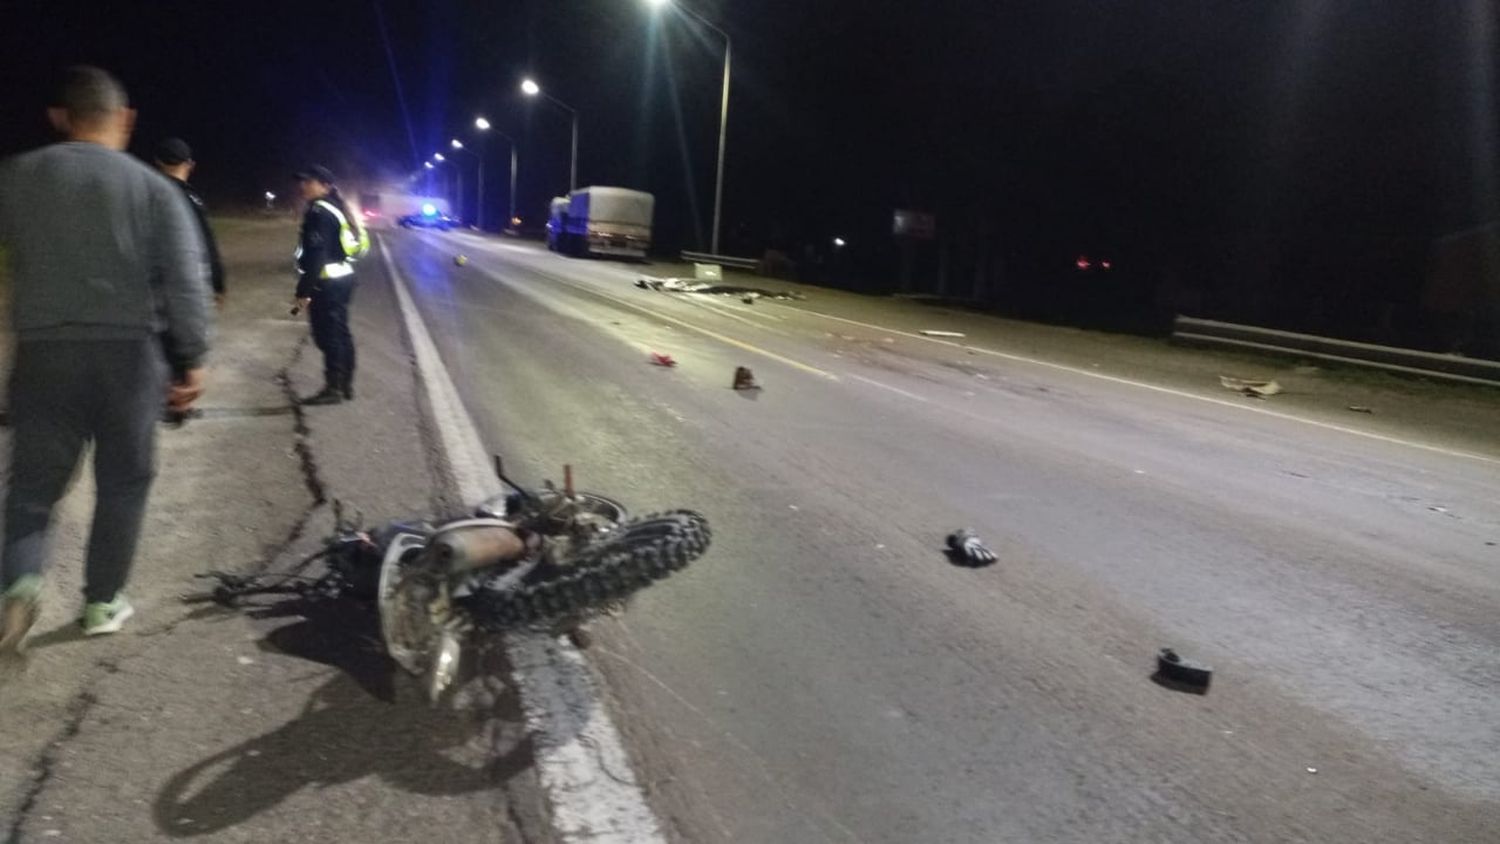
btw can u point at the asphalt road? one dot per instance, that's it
(825, 674)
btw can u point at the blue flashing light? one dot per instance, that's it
(429, 210)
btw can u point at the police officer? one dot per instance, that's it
(174, 158)
(332, 240)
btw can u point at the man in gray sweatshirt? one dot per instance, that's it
(106, 264)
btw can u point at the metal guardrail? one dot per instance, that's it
(1389, 358)
(721, 260)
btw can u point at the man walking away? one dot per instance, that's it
(332, 239)
(174, 158)
(104, 257)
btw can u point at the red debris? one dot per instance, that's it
(662, 360)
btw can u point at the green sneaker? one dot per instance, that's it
(18, 612)
(106, 617)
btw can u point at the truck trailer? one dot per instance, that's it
(601, 221)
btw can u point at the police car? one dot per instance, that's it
(429, 218)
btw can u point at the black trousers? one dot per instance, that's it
(64, 394)
(329, 316)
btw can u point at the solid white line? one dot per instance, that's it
(897, 390)
(722, 338)
(1329, 426)
(580, 755)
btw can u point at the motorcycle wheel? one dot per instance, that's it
(405, 605)
(633, 556)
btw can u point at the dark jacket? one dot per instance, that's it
(319, 246)
(210, 245)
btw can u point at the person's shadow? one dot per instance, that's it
(363, 721)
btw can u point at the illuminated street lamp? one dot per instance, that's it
(531, 89)
(723, 114)
(458, 146)
(483, 125)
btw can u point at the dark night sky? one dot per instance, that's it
(1124, 121)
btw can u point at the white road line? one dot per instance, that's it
(580, 755)
(1329, 426)
(897, 390)
(682, 323)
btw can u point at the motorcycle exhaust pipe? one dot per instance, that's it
(477, 544)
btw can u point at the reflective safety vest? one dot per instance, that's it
(353, 240)
(352, 236)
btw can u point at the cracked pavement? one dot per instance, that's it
(284, 720)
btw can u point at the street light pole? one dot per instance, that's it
(458, 146)
(723, 134)
(484, 126)
(531, 89)
(723, 118)
(453, 174)
(512, 221)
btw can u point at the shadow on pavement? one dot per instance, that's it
(69, 631)
(351, 728)
(342, 633)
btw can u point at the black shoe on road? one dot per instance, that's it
(328, 396)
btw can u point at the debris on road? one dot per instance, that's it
(1312, 770)
(942, 333)
(1256, 389)
(662, 360)
(744, 379)
(461, 260)
(965, 548)
(1177, 673)
(684, 285)
(674, 285)
(1360, 408)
